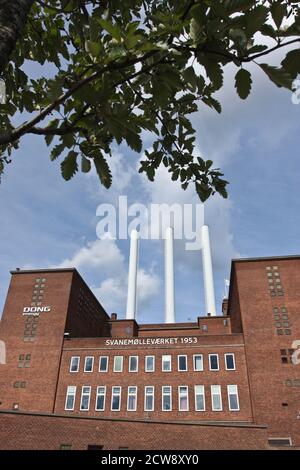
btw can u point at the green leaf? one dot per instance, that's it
(278, 12)
(112, 29)
(213, 70)
(69, 165)
(93, 48)
(103, 170)
(255, 18)
(85, 164)
(280, 77)
(291, 62)
(243, 83)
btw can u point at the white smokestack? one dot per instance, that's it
(132, 276)
(209, 291)
(169, 277)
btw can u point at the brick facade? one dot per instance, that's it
(260, 322)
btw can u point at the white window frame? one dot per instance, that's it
(237, 396)
(107, 359)
(194, 363)
(132, 394)
(74, 371)
(187, 397)
(89, 395)
(112, 396)
(85, 362)
(122, 362)
(162, 362)
(212, 401)
(73, 387)
(100, 394)
(203, 394)
(225, 356)
(209, 356)
(186, 363)
(162, 398)
(137, 364)
(147, 394)
(146, 369)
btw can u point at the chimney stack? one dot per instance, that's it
(132, 276)
(169, 277)
(209, 292)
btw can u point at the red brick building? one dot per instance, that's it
(74, 377)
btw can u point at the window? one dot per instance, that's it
(116, 398)
(198, 362)
(118, 363)
(74, 364)
(233, 399)
(166, 363)
(280, 441)
(216, 398)
(103, 364)
(85, 398)
(65, 447)
(213, 362)
(24, 360)
(229, 361)
(166, 398)
(89, 364)
(133, 363)
(199, 398)
(183, 398)
(94, 447)
(132, 399)
(70, 398)
(149, 363)
(286, 355)
(100, 398)
(149, 398)
(182, 363)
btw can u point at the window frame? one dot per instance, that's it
(237, 396)
(122, 364)
(218, 362)
(212, 401)
(112, 396)
(132, 394)
(203, 394)
(178, 362)
(146, 369)
(100, 394)
(147, 394)
(85, 362)
(137, 364)
(73, 394)
(194, 363)
(162, 362)
(70, 369)
(81, 397)
(187, 398)
(225, 359)
(107, 361)
(162, 398)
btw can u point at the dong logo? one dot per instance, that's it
(35, 310)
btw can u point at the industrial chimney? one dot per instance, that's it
(169, 277)
(132, 276)
(209, 291)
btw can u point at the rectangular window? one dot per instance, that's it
(166, 363)
(85, 398)
(149, 398)
(131, 398)
(182, 363)
(100, 398)
(216, 398)
(89, 364)
(149, 363)
(103, 364)
(198, 362)
(116, 399)
(233, 398)
(118, 363)
(199, 398)
(213, 362)
(183, 398)
(70, 398)
(166, 398)
(74, 364)
(133, 363)
(229, 361)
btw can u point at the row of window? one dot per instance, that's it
(166, 363)
(149, 398)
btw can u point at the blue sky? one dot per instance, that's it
(47, 222)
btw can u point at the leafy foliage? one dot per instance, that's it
(124, 67)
